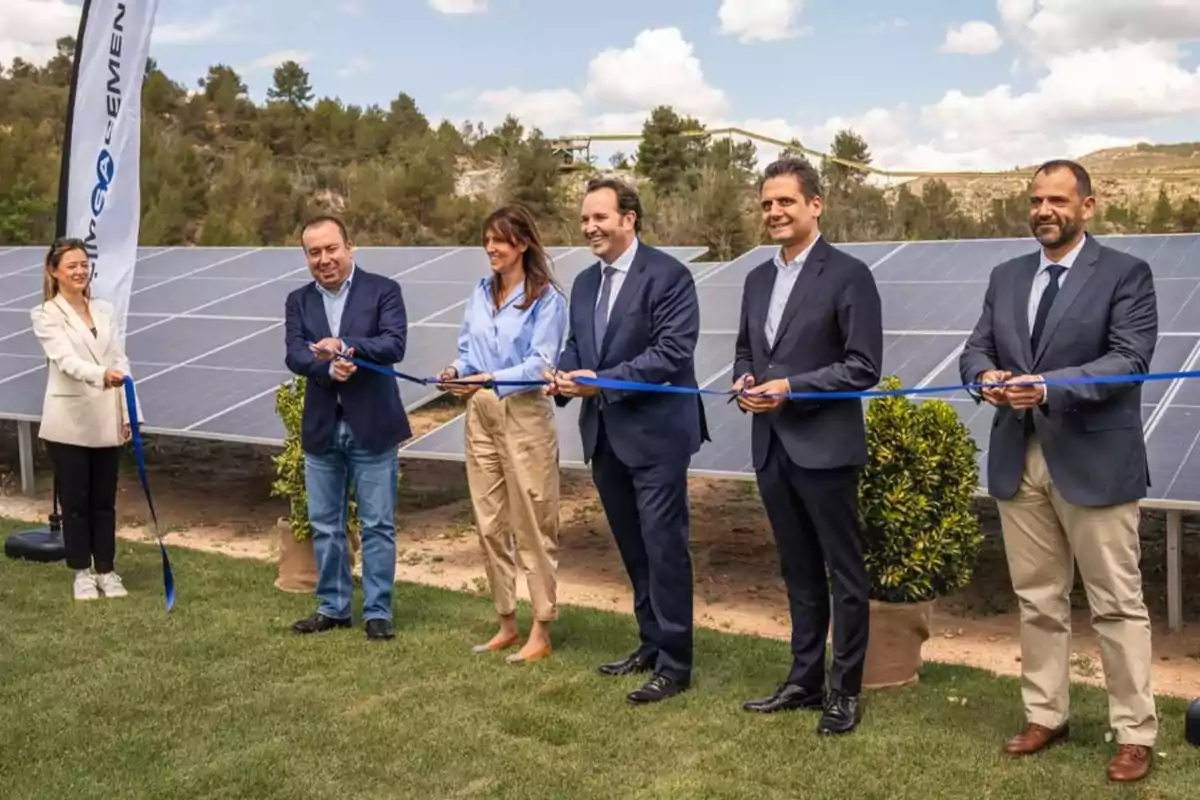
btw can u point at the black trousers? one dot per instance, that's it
(86, 478)
(813, 515)
(647, 509)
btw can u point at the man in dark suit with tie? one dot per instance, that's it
(1067, 461)
(634, 316)
(353, 422)
(811, 321)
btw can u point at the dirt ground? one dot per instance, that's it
(216, 497)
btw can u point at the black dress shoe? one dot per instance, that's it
(657, 689)
(380, 629)
(627, 666)
(318, 623)
(841, 714)
(786, 697)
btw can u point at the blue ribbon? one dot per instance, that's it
(139, 455)
(638, 386)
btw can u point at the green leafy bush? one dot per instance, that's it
(921, 537)
(289, 464)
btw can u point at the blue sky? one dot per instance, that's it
(926, 92)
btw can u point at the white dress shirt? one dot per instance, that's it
(621, 265)
(1041, 279)
(786, 274)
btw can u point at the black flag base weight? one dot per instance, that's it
(38, 544)
(1192, 724)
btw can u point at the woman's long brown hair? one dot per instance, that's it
(54, 256)
(515, 224)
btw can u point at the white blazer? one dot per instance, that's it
(78, 409)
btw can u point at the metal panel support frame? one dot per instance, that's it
(1174, 571)
(25, 448)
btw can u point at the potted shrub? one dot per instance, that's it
(921, 536)
(297, 563)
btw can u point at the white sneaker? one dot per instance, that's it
(85, 585)
(110, 585)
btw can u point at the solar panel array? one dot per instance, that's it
(205, 337)
(205, 328)
(931, 294)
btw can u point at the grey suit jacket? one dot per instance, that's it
(1104, 322)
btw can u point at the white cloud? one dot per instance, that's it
(548, 110)
(972, 38)
(659, 69)
(274, 59)
(1098, 67)
(459, 6)
(210, 28)
(1129, 82)
(761, 20)
(356, 66)
(28, 28)
(1063, 26)
(1062, 102)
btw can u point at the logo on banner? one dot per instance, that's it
(106, 165)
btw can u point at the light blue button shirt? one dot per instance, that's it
(786, 273)
(512, 344)
(335, 303)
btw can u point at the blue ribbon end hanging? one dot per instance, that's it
(140, 457)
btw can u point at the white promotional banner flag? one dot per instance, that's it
(99, 197)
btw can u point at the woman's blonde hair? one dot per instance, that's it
(58, 249)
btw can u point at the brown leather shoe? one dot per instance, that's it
(1034, 738)
(1131, 763)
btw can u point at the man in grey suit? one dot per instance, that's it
(1067, 461)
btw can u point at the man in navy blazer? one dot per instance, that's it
(353, 422)
(811, 321)
(635, 317)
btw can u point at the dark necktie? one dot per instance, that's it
(600, 317)
(1043, 309)
(1039, 322)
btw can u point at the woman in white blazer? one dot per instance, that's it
(84, 416)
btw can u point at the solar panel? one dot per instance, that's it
(932, 293)
(713, 359)
(205, 330)
(206, 341)
(20, 259)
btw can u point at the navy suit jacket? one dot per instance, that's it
(650, 337)
(1104, 322)
(374, 323)
(830, 339)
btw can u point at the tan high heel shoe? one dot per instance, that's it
(536, 655)
(503, 644)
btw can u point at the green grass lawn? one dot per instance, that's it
(118, 699)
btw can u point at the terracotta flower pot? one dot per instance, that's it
(297, 563)
(898, 630)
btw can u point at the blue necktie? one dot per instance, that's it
(1039, 323)
(1047, 300)
(600, 316)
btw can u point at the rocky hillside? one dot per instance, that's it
(1129, 177)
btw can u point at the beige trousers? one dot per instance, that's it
(512, 471)
(1044, 536)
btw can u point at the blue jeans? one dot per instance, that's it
(327, 479)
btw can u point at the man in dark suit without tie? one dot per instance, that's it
(811, 321)
(1067, 462)
(634, 316)
(353, 422)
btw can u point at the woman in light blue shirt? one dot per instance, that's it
(513, 330)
